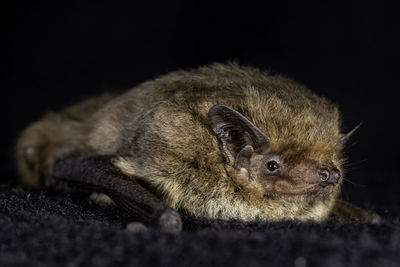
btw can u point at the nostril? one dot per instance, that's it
(324, 175)
(336, 177)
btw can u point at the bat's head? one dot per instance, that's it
(275, 171)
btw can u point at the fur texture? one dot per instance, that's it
(160, 134)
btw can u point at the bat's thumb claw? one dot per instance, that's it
(170, 221)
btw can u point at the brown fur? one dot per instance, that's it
(160, 134)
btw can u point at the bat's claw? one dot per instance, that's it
(170, 221)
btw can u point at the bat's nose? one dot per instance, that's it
(329, 176)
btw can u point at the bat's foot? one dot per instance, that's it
(41, 144)
(35, 163)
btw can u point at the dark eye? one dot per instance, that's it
(272, 166)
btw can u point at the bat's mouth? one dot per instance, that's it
(285, 188)
(314, 192)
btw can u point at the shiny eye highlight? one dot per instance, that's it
(272, 166)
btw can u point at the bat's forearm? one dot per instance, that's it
(98, 174)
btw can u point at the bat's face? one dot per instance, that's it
(279, 175)
(251, 153)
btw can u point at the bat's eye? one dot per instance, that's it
(272, 166)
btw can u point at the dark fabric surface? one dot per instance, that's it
(53, 229)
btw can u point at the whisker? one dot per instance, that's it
(351, 145)
(353, 183)
(355, 163)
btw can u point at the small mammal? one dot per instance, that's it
(221, 141)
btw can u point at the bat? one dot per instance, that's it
(222, 141)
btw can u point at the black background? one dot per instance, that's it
(56, 52)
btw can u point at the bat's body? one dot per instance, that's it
(221, 141)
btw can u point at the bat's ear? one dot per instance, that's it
(239, 136)
(343, 140)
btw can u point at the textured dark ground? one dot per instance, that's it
(52, 229)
